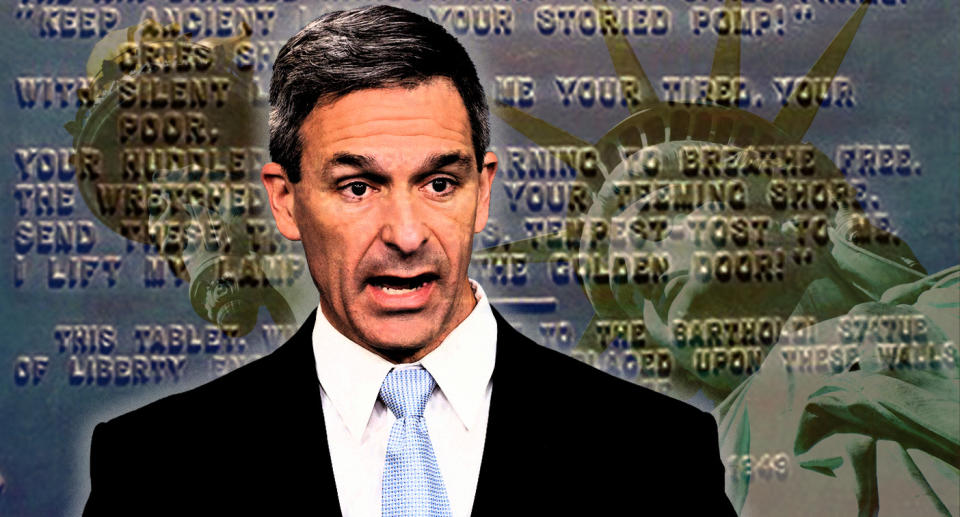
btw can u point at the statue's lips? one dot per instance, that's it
(670, 291)
(401, 293)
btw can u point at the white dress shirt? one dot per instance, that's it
(358, 423)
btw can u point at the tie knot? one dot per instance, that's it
(406, 391)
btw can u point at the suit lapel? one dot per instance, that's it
(305, 435)
(512, 426)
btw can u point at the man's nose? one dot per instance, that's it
(404, 228)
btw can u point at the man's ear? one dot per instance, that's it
(280, 192)
(487, 173)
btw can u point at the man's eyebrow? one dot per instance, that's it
(357, 161)
(366, 166)
(441, 160)
(370, 166)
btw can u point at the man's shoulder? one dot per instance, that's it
(260, 423)
(249, 390)
(571, 421)
(557, 378)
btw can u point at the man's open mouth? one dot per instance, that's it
(402, 285)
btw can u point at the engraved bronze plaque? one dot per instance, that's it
(750, 206)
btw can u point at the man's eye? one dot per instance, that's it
(358, 189)
(440, 185)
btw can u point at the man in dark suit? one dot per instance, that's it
(405, 393)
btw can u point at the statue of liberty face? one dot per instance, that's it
(199, 235)
(180, 177)
(727, 242)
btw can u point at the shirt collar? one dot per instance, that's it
(351, 375)
(463, 363)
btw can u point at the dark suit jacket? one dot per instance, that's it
(562, 438)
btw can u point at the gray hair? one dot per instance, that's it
(370, 47)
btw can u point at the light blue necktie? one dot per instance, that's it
(412, 484)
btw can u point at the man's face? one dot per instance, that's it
(387, 206)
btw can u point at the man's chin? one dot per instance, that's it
(402, 337)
